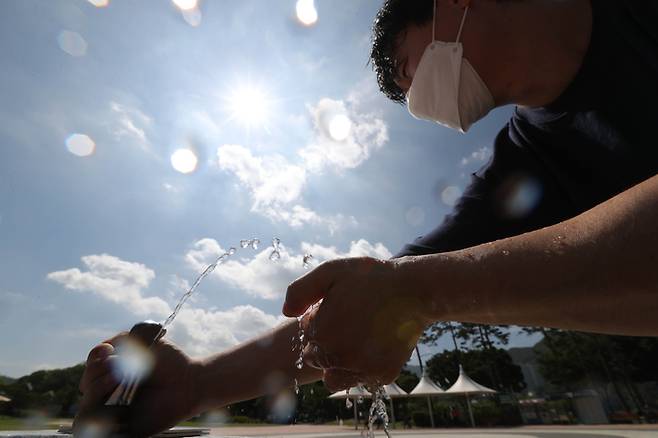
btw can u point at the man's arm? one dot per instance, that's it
(595, 272)
(264, 365)
(179, 387)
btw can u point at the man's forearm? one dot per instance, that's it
(595, 272)
(261, 366)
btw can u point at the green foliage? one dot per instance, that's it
(407, 380)
(53, 392)
(4, 380)
(467, 335)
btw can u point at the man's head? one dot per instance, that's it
(525, 51)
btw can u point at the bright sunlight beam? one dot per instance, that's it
(250, 106)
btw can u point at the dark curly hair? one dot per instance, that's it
(391, 24)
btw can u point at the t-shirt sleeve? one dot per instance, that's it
(509, 195)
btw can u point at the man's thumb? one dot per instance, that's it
(308, 290)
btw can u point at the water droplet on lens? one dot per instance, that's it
(275, 256)
(255, 243)
(231, 251)
(348, 403)
(299, 363)
(244, 243)
(505, 252)
(306, 261)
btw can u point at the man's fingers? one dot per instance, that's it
(100, 391)
(96, 369)
(316, 357)
(336, 379)
(308, 289)
(100, 351)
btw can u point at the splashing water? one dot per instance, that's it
(306, 261)
(208, 269)
(275, 255)
(378, 410)
(246, 243)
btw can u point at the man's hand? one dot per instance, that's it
(367, 325)
(169, 395)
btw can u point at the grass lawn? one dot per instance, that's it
(13, 423)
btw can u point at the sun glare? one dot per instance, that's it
(306, 12)
(99, 3)
(249, 105)
(340, 127)
(185, 5)
(184, 160)
(81, 145)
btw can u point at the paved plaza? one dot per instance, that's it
(307, 431)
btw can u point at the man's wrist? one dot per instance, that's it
(431, 280)
(203, 397)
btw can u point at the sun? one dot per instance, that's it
(250, 105)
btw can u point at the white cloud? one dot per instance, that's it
(367, 133)
(260, 277)
(478, 156)
(271, 180)
(201, 332)
(197, 331)
(130, 122)
(276, 184)
(116, 280)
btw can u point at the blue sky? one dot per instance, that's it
(91, 244)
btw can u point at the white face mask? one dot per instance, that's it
(446, 88)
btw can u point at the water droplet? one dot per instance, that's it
(296, 387)
(231, 251)
(299, 363)
(306, 261)
(348, 403)
(255, 243)
(276, 242)
(244, 243)
(505, 252)
(275, 256)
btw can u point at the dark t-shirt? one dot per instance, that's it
(599, 138)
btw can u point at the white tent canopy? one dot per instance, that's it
(4, 399)
(426, 387)
(465, 385)
(355, 392)
(394, 391)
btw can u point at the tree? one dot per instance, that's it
(444, 367)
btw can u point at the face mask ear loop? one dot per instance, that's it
(434, 22)
(461, 26)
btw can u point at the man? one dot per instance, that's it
(580, 256)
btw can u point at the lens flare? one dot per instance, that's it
(81, 145)
(185, 5)
(72, 43)
(192, 16)
(340, 127)
(99, 3)
(307, 14)
(450, 195)
(184, 160)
